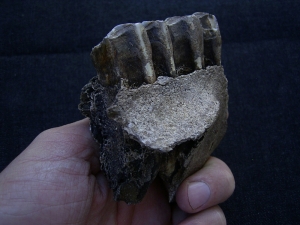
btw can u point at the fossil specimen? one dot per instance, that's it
(158, 105)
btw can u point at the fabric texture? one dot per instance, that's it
(44, 62)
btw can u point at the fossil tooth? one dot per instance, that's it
(125, 53)
(212, 38)
(186, 35)
(161, 46)
(158, 105)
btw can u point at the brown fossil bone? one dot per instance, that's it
(158, 105)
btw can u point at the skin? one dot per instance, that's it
(56, 180)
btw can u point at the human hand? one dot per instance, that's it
(56, 180)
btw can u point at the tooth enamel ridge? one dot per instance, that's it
(158, 105)
(142, 51)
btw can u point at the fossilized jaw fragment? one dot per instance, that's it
(158, 106)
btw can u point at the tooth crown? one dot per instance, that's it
(141, 52)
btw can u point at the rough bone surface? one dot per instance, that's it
(158, 105)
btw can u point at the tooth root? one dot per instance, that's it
(188, 54)
(212, 38)
(125, 53)
(162, 50)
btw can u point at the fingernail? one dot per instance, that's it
(198, 194)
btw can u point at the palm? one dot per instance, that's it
(61, 181)
(80, 198)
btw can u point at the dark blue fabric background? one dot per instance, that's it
(44, 62)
